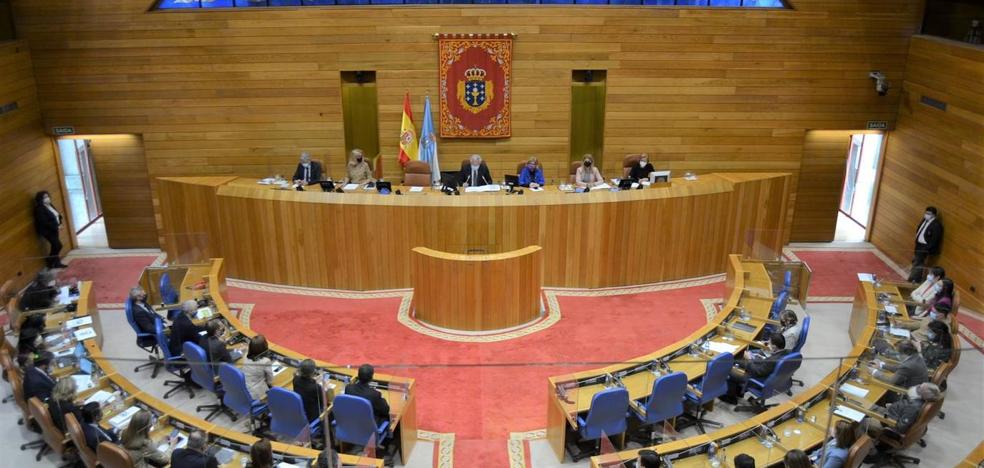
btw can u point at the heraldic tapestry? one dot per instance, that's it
(474, 82)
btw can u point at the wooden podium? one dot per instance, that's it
(477, 292)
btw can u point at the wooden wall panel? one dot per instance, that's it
(124, 191)
(937, 158)
(819, 192)
(244, 92)
(27, 165)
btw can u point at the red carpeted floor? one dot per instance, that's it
(113, 276)
(835, 273)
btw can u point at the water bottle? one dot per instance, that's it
(800, 415)
(712, 455)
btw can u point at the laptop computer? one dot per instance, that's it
(512, 180)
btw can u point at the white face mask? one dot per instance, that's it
(934, 315)
(928, 216)
(930, 278)
(306, 164)
(643, 163)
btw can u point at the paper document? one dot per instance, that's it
(899, 332)
(52, 338)
(350, 186)
(182, 441)
(719, 347)
(83, 382)
(84, 333)
(483, 188)
(75, 323)
(854, 391)
(120, 421)
(204, 313)
(601, 186)
(278, 368)
(849, 413)
(63, 296)
(866, 277)
(536, 189)
(286, 465)
(890, 308)
(101, 397)
(64, 353)
(416, 189)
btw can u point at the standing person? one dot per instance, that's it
(308, 171)
(357, 170)
(929, 233)
(47, 222)
(587, 174)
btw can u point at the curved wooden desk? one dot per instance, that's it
(477, 292)
(362, 241)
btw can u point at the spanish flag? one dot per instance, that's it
(408, 134)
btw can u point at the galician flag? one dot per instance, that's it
(408, 134)
(428, 143)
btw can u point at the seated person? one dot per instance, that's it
(648, 459)
(135, 438)
(94, 435)
(258, 369)
(357, 170)
(909, 371)
(305, 385)
(183, 329)
(62, 402)
(41, 293)
(920, 327)
(362, 389)
(873, 428)
(744, 460)
(308, 171)
(756, 368)
(215, 349)
(260, 454)
(143, 314)
(938, 347)
(842, 437)
(641, 171)
(796, 458)
(194, 455)
(323, 458)
(926, 291)
(475, 173)
(30, 341)
(905, 411)
(532, 175)
(790, 328)
(587, 174)
(37, 378)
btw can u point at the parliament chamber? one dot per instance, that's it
(491, 233)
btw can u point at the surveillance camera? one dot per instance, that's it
(881, 83)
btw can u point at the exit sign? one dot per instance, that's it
(877, 125)
(65, 130)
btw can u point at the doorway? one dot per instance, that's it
(860, 180)
(84, 205)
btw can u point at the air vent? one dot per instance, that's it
(8, 107)
(933, 103)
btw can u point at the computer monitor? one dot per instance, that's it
(327, 186)
(659, 177)
(85, 366)
(384, 187)
(512, 180)
(625, 183)
(79, 351)
(449, 179)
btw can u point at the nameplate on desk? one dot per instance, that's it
(84, 334)
(413, 190)
(78, 322)
(849, 413)
(854, 391)
(350, 187)
(899, 332)
(890, 308)
(120, 421)
(483, 188)
(866, 277)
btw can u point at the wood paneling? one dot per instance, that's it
(363, 241)
(124, 191)
(477, 292)
(27, 165)
(936, 157)
(189, 233)
(819, 191)
(244, 92)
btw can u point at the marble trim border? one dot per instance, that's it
(443, 447)
(518, 446)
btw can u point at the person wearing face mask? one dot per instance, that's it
(47, 222)
(531, 176)
(939, 308)
(307, 171)
(926, 291)
(641, 171)
(358, 170)
(143, 314)
(908, 371)
(756, 368)
(474, 172)
(41, 293)
(929, 233)
(938, 346)
(791, 328)
(587, 175)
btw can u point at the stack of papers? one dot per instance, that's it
(899, 332)
(601, 186)
(78, 322)
(854, 391)
(84, 334)
(890, 308)
(849, 413)
(350, 186)
(719, 347)
(101, 397)
(120, 421)
(182, 442)
(83, 382)
(483, 188)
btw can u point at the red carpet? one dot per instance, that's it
(835, 273)
(113, 276)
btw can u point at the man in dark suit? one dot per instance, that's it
(906, 411)
(756, 368)
(183, 329)
(143, 314)
(929, 234)
(474, 173)
(195, 454)
(307, 171)
(37, 381)
(361, 388)
(91, 415)
(307, 387)
(910, 371)
(215, 350)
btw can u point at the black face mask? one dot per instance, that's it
(587, 163)
(358, 159)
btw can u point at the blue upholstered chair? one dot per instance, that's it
(250, 3)
(203, 376)
(218, 3)
(800, 341)
(319, 2)
(145, 341)
(287, 418)
(169, 295)
(606, 417)
(712, 385)
(778, 305)
(355, 423)
(285, 2)
(175, 365)
(666, 400)
(779, 381)
(236, 395)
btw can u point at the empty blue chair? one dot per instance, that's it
(800, 341)
(779, 381)
(353, 2)
(548, 2)
(355, 422)
(319, 2)
(386, 2)
(236, 395)
(217, 4)
(174, 4)
(712, 385)
(606, 417)
(175, 365)
(287, 418)
(626, 2)
(787, 280)
(250, 3)
(726, 3)
(145, 341)
(490, 1)
(169, 295)
(203, 376)
(666, 400)
(592, 2)
(692, 2)
(285, 2)
(658, 2)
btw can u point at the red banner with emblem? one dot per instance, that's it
(474, 82)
